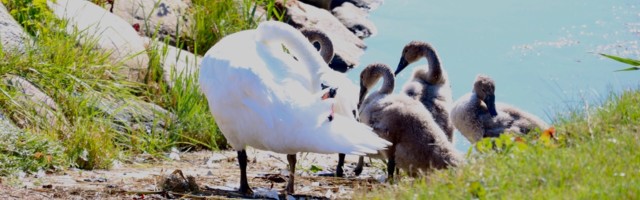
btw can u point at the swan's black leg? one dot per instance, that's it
(244, 184)
(339, 170)
(292, 171)
(360, 166)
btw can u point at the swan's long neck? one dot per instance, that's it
(388, 81)
(435, 67)
(272, 32)
(377, 71)
(326, 47)
(371, 75)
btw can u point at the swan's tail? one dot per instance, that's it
(274, 32)
(340, 134)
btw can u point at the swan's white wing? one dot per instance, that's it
(254, 105)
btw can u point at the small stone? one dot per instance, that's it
(173, 155)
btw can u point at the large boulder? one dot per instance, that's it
(108, 31)
(348, 47)
(30, 96)
(367, 5)
(324, 4)
(12, 35)
(175, 62)
(169, 19)
(355, 19)
(131, 114)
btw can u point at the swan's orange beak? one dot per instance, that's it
(330, 94)
(325, 96)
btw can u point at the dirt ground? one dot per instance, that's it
(216, 175)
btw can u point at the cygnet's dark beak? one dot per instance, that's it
(490, 100)
(401, 65)
(363, 92)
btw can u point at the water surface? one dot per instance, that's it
(542, 54)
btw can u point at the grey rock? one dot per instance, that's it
(6, 127)
(131, 114)
(108, 31)
(348, 47)
(12, 35)
(175, 62)
(31, 96)
(324, 4)
(367, 5)
(355, 19)
(168, 18)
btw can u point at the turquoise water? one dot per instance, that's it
(542, 54)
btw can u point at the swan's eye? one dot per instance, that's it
(317, 46)
(323, 86)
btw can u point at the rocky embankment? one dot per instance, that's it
(125, 28)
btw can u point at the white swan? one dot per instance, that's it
(262, 97)
(325, 46)
(476, 115)
(429, 84)
(317, 74)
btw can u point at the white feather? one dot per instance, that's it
(262, 97)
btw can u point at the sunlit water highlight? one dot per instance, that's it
(542, 54)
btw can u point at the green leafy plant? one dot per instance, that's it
(31, 14)
(76, 76)
(26, 152)
(217, 18)
(633, 62)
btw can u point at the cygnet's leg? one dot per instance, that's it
(339, 170)
(244, 184)
(391, 163)
(292, 171)
(360, 166)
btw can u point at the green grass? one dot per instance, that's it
(66, 72)
(22, 151)
(595, 157)
(76, 75)
(213, 20)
